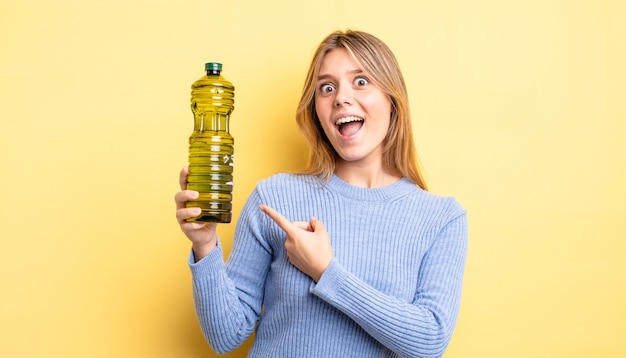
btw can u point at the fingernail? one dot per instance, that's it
(195, 195)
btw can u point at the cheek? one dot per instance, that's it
(323, 114)
(328, 130)
(321, 107)
(386, 110)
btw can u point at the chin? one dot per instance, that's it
(350, 158)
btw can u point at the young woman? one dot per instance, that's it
(352, 257)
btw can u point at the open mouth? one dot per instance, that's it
(348, 126)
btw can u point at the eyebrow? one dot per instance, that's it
(327, 76)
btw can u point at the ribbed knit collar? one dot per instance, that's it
(400, 188)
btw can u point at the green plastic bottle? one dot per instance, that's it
(211, 146)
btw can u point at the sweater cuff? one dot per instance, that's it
(331, 282)
(208, 265)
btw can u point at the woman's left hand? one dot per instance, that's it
(307, 244)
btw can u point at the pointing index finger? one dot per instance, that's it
(277, 217)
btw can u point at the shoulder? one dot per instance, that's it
(282, 180)
(447, 203)
(441, 209)
(284, 185)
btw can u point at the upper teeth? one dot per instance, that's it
(345, 120)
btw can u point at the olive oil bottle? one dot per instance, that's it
(211, 146)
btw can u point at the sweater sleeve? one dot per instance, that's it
(228, 297)
(421, 328)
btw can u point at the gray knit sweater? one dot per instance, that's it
(393, 288)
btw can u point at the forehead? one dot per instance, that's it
(338, 60)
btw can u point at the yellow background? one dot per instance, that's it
(519, 112)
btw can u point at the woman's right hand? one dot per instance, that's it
(203, 236)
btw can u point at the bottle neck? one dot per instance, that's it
(212, 73)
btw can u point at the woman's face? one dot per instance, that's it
(353, 111)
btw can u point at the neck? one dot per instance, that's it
(365, 176)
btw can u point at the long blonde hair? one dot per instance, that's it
(376, 60)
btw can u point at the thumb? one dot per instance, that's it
(316, 225)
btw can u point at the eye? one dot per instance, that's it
(361, 81)
(326, 88)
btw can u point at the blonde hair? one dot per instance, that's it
(376, 60)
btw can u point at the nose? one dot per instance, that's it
(344, 96)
